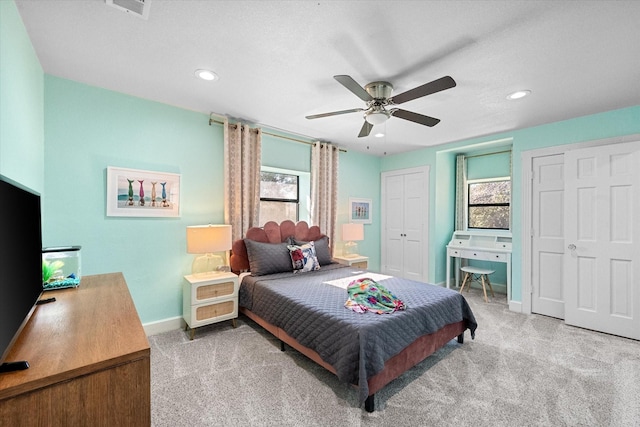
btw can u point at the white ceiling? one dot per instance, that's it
(276, 60)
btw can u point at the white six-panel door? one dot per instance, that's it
(547, 240)
(393, 217)
(415, 226)
(602, 238)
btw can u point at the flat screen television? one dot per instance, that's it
(20, 263)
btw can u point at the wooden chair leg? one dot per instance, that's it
(464, 280)
(484, 289)
(490, 287)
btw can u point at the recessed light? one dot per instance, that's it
(519, 94)
(206, 75)
(379, 135)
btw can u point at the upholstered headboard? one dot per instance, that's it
(272, 232)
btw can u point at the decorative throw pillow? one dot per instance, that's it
(303, 258)
(321, 247)
(267, 258)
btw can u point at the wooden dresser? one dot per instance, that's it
(89, 357)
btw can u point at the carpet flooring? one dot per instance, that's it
(521, 370)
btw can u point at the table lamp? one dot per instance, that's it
(351, 233)
(207, 239)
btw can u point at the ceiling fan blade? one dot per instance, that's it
(354, 87)
(442, 83)
(415, 117)
(334, 113)
(366, 129)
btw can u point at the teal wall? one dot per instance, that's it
(593, 127)
(285, 154)
(360, 178)
(88, 129)
(21, 103)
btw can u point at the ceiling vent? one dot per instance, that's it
(139, 8)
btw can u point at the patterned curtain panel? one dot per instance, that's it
(461, 189)
(324, 188)
(242, 148)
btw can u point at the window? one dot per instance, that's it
(279, 196)
(489, 203)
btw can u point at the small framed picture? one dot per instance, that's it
(360, 210)
(141, 193)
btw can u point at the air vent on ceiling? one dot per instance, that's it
(139, 8)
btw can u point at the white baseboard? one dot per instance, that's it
(515, 306)
(166, 325)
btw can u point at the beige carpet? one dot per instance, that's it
(521, 370)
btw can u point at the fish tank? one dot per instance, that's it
(60, 267)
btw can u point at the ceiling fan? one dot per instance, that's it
(377, 95)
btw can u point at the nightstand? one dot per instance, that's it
(357, 261)
(209, 298)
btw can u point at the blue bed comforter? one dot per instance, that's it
(357, 345)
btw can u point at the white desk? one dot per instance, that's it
(481, 245)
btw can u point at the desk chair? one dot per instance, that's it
(478, 274)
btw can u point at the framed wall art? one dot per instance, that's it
(360, 210)
(141, 193)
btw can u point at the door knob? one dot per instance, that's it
(571, 247)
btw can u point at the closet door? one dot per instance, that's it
(393, 225)
(405, 213)
(547, 236)
(415, 223)
(602, 234)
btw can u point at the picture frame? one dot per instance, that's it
(142, 193)
(360, 210)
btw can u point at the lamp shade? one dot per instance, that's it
(202, 239)
(352, 232)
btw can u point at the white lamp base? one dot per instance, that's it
(207, 263)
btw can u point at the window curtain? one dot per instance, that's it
(461, 190)
(324, 188)
(242, 152)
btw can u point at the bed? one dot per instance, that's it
(306, 309)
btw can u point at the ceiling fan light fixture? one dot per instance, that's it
(377, 117)
(519, 94)
(206, 75)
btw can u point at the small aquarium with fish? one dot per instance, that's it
(60, 267)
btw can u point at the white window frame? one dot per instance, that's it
(304, 190)
(482, 180)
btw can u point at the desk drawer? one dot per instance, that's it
(484, 256)
(496, 257)
(454, 252)
(473, 254)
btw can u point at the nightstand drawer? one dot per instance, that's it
(216, 311)
(212, 291)
(360, 264)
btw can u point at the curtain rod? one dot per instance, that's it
(212, 120)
